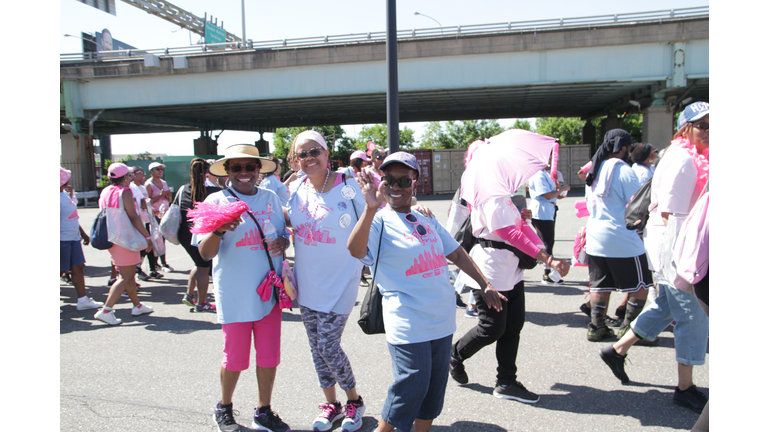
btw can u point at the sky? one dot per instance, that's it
(269, 20)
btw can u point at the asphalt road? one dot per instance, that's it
(160, 372)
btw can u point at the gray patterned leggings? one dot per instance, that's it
(324, 332)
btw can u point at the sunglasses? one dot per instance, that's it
(701, 126)
(403, 182)
(248, 167)
(314, 152)
(380, 157)
(410, 217)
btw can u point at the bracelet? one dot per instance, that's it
(147, 238)
(549, 260)
(218, 234)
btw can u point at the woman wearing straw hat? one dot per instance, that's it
(124, 260)
(239, 265)
(70, 233)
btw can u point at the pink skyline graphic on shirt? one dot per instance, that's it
(251, 238)
(427, 262)
(311, 235)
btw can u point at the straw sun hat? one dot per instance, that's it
(239, 151)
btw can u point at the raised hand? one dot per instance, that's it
(373, 196)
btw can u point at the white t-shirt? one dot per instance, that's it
(642, 172)
(500, 266)
(139, 194)
(69, 221)
(673, 190)
(326, 274)
(275, 185)
(241, 264)
(418, 298)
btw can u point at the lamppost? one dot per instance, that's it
(438, 22)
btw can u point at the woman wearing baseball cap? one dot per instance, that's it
(125, 260)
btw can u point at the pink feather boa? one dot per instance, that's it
(700, 159)
(208, 217)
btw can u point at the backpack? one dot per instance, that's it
(637, 212)
(467, 241)
(99, 232)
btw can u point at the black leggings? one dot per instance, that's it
(546, 231)
(501, 327)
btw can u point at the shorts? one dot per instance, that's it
(70, 254)
(691, 323)
(619, 274)
(421, 376)
(122, 257)
(266, 342)
(185, 239)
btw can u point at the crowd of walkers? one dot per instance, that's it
(340, 222)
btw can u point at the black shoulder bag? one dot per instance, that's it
(371, 310)
(638, 208)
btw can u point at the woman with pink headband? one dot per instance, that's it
(322, 210)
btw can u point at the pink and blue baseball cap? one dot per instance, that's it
(692, 112)
(404, 158)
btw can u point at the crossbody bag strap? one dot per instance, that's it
(376, 266)
(261, 233)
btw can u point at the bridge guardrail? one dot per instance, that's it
(450, 31)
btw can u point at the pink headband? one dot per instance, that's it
(310, 135)
(64, 176)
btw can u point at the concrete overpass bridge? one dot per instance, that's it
(578, 67)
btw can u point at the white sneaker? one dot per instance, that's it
(89, 303)
(353, 416)
(108, 317)
(166, 269)
(141, 309)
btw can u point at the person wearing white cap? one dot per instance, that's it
(322, 211)
(71, 255)
(118, 194)
(159, 197)
(681, 176)
(240, 263)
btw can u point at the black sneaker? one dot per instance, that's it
(269, 421)
(458, 373)
(613, 322)
(141, 275)
(460, 304)
(586, 309)
(691, 398)
(225, 418)
(615, 362)
(516, 392)
(596, 334)
(364, 282)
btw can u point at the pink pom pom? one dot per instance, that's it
(208, 217)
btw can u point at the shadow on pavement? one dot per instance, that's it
(652, 408)
(73, 320)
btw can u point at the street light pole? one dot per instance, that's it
(242, 4)
(393, 103)
(438, 22)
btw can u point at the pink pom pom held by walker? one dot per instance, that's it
(208, 217)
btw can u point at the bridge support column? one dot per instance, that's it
(657, 126)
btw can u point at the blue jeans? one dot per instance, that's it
(691, 328)
(421, 375)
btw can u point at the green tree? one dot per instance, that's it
(378, 134)
(633, 123)
(434, 137)
(462, 133)
(522, 124)
(565, 129)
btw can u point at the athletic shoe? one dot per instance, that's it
(166, 268)
(225, 418)
(615, 361)
(613, 322)
(141, 275)
(457, 372)
(330, 412)
(89, 303)
(471, 313)
(622, 331)
(353, 415)
(141, 309)
(205, 307)
(691, 398)
(596, 334)
(107, 317)
(586, 309)
(516, 392)
(270, 421)
(154, 274)
(460, 304)
(66, 279)
(111, 282)
(364, 282)
(621, 312)
(188, 300)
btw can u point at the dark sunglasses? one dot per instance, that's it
(410, 217)
(313, 152)
(248, 167)
(380, 157)
(403, 182)
(701, 126)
